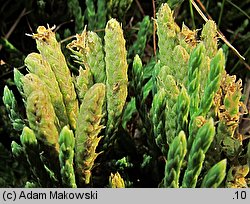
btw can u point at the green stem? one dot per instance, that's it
(192, 13)
(221, 11)
(234, 5)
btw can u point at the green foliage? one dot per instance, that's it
(140, 43)
(170, 120)
(212, 85)
(12, 172)
(128, 112)
(176, 154)
(202, 142)
(137, 74)
(117, 8)
(213, 82)
(194, 77)
(31, 149)
(101, 14)
(16, 149)
(76, 11)
(183, 103)
(11, 106)
(158, 119)
(248, 154)
(174, 3)
(17, 80)
(66, 156)
(215, 175)
(90, 14)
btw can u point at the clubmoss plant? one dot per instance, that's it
(88, 128)
(51, 52)
(215, 175)
(66, 157)
(170, 122)
(40, 68)
(167, 31)
(11, 106)
(176, 154)
(197, 153)
(89, 52)
(116, 73)
(116, 181)
(140, 43)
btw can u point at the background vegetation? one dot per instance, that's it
(19, 18)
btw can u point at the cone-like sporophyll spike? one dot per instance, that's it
(167, 31)
(116, 72)
(95, 57)
(42, 118)
(88, 128)
(51, 52)
(89, 51)
(209, 37)
(41, 68)
(83, 82)
(179, 65)
(31, 82)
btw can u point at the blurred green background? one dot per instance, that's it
(21, 17)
